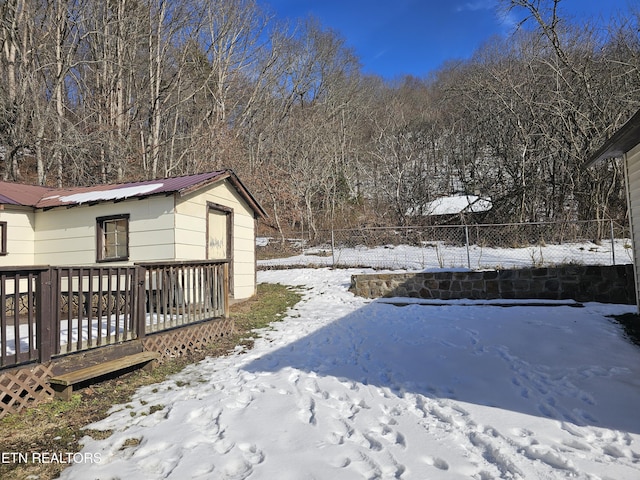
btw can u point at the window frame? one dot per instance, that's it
(100, 238)
(3, 238)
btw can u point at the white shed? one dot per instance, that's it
(208, 216)
(625, 144)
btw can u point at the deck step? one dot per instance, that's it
(63, 384)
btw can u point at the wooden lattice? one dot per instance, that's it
(187, 340)
(28, 386)
(24, 387)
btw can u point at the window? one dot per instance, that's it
(3, 238)
(113, 238)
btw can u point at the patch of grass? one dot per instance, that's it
(57, 426)
(269, 305)
(130, 442)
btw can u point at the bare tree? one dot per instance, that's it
(16, 54)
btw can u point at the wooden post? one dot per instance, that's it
(44, 316)
(226, 290)
(56, 292)
(140, 307)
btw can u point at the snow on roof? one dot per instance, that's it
(109, 194)
(453, 205)
(47, 197)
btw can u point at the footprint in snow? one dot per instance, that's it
(586, 416)
(587, 398)
(251, 453)
(223, 446)
(312, 386)
(307, 410)
(237, 469)
(436, 462)
(385, 431)
(205, 416)
(341, 462)
(372, 443)
(521, 432)
(576, 445)
(366, 466)
(241, 401)
(549, 456)
(294, 377)
(546, 410)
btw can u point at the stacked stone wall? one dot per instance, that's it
(606, 284)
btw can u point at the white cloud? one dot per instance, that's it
(506, 16)
(476, 5)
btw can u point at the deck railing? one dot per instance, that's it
(180, 293)
(25, 331)
(95, 306)
(49, 311)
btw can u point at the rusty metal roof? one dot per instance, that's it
(46, 197)
(19, 194)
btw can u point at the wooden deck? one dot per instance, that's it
(53, 311)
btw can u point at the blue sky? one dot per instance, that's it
(397, 37)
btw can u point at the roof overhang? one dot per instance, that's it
(622, 141)
(237, 184)
(47, 198)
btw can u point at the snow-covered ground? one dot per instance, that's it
(440, 255)
(110, 328)
(348, 388)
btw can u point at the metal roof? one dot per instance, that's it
(623, 140)
(19, 194)
(46, 197)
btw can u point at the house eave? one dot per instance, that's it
(237, 184)
(44, 198)
(622, 141)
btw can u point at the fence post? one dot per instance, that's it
(613, 245)
(44, 316)
(333, 249)
(466, 233)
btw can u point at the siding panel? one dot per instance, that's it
(68, 236)
(191, 230)
(20, 236)
(632, 165)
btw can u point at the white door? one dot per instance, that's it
(218, 233)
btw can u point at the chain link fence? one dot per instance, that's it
(475, 247)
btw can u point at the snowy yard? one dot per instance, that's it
(348, 388)
(435, 255)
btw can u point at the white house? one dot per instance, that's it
(195, 217)
(625, 144)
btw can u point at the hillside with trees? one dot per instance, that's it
(117, 90)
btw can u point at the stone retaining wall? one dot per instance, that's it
(606, 284)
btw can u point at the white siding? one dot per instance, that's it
(161, 228)
(632, 164)
(20, 236)
(67, 236)
(191, 231)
